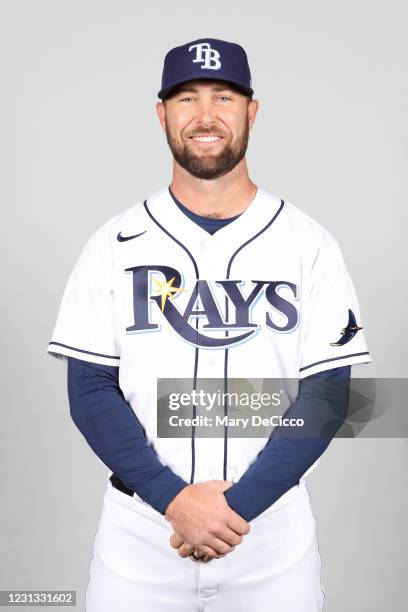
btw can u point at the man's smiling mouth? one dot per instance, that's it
(206, 138)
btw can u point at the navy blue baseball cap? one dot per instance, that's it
(206, 58)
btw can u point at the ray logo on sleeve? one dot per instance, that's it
(348, 332)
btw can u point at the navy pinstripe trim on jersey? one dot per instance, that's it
(196, 355)
(196, 349)
(224, 471)
(333, 359)
(254, 237)
(173, 238)
(73, 348)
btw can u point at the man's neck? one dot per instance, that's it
(221, 198)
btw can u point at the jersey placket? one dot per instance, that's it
(210, 452)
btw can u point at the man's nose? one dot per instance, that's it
(205, 112)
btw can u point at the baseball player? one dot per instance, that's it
(210, 277)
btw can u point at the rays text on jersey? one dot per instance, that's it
(201, 302)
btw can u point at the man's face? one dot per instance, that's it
(207, 126)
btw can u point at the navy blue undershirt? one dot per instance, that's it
(113, 431)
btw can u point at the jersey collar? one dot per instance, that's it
(260, 212)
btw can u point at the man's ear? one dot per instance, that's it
(253, 108)
(161, 113)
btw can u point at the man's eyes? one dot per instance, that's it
(190, 98)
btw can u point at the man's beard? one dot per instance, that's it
(209, 166)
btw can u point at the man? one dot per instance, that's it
(212, 278)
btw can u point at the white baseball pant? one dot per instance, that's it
(277, 567)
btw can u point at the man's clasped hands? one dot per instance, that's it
(205, 527)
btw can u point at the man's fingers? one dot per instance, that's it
(218, 545)
(216, 548)
(221, 543)
(175, 540)
(229, 536)
(197, 554)
(237, 523)
(185, 550)
(210, 552)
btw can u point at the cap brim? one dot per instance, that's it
(164, 93)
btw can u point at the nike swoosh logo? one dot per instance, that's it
(124, 238)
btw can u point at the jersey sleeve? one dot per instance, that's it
(333, 334)
(85, 325)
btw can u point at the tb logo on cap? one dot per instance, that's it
(204, 53)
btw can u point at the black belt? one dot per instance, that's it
(118, 484)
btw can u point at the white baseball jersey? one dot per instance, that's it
(267, 296)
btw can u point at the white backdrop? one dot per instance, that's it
(81, 142)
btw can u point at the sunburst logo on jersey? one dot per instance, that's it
(166, 290)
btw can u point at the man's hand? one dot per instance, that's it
(186, 550)
(201, 517)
